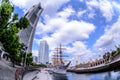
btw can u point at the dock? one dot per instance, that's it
(37, 75)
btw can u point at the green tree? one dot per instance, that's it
(9, 28)
(22, 56)
(29, 59)
(23, 23)
(6, 10)
(118, 50)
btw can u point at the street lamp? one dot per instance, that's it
(25, 49)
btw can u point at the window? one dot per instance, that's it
(37, 10)
(26, 14)
(33, 17)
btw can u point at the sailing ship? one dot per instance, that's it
(58, 63)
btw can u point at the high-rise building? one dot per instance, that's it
(43, 52)
(0, 2)
(27, 35)
(35, 59)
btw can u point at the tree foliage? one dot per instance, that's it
(29, 59)
(10, 25)
(112, 54)
(6, 10)
(23, 22)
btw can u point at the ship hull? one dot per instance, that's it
(59, 74)
(59, 71)
(101, 68)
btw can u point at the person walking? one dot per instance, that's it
(18, 75)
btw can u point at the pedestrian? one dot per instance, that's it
(0, 54)
(18, 74)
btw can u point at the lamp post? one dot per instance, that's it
(25, 48)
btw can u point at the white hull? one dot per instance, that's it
(60, 71)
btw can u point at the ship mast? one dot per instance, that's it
(55, 59)
(60, 55)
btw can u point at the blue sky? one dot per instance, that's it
(87, 28)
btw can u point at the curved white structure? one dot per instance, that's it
(27, 35)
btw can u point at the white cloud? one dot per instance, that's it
(66, 12)
(63, 31)
(50, 6)
(53, 24)
(105, 7)
(80, 13)
(94, 3)
(78, 48)
(84, 58)
(110, 38)
(116, 5)
(91, 13)
(24, 4)
(59, 28)
(81, 0)
(39, 28)
(35, 52)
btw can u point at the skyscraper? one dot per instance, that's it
(0, 2)
(43, 52)
(35, 59)
(27, 35)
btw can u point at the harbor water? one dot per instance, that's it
(113, 75)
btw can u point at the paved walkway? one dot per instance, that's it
(6, 72)
(37, 75)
